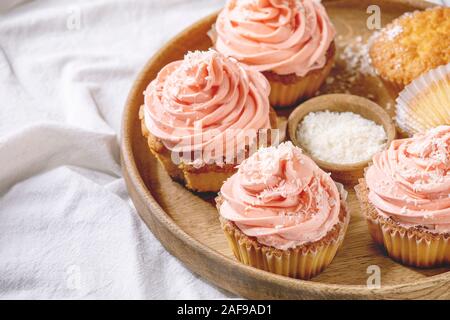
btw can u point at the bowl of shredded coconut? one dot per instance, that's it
(341, 133)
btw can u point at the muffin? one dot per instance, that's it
(411, 45)
(281, 213)
(203, 115)
(424, 103)
(405, 197)
(290, 41)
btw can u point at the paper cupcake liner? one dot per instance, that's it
(302, 262)
(409, 246)
(285, 92)
(424, 103)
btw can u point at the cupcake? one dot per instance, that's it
(204, 114)
(411, 45)
(281, 213)
(290, 41)
(425, 102)
(405, 197)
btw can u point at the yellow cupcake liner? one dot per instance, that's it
(424, 103)
(288, 94)
(302, 262)
(409, 246)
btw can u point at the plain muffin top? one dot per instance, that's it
(412, 44)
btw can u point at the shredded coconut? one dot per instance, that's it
(356, 56)
(393, 32)
(353, 65)
(342, 138)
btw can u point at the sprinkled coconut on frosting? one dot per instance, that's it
(197, 104)
(281, 197)
(410, 181)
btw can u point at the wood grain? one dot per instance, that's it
(186, 223)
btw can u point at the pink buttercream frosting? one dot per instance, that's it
(281, 197)
(410, 181)
(283, 36)
(206, 105)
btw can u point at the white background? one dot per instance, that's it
(67, 226)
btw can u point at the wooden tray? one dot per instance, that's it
(187, 223)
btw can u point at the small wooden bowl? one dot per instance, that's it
(345, 173)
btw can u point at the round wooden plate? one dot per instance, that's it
(187, 223)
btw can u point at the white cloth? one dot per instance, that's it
(67, 226)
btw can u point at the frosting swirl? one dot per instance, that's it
(283, 36)
(281, 197)
(410, 181)
(204, 106)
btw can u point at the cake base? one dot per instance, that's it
(302, 262)
(414, 246)
(288, 90)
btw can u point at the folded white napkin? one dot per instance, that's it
(67, 226)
